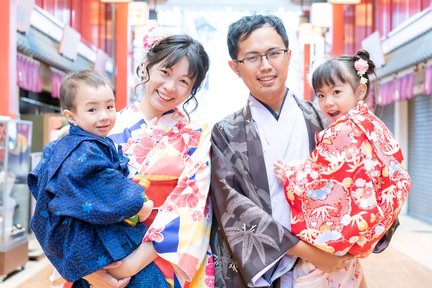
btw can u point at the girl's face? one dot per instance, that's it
(337, 100)
(167, 88)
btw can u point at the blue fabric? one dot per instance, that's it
(83, 196)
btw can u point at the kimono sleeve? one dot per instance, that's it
(255, 240)
(93, 187)
(333, 194)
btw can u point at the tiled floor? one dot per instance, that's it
(406, 263)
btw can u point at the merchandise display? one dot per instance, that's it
(15, 149)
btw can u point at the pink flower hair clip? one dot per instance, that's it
(361, 66)
(153, 38)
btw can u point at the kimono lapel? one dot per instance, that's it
(255, 158)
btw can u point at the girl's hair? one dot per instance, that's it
(169, 51)
(71, 83)
(343, 69)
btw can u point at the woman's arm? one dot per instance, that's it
(101, 278)
(135, 262)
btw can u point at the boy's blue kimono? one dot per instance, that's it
(83, 196)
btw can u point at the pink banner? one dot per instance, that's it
(56, 77)
(28, 76)
(404, 87)
(385, 92)
(428, 80)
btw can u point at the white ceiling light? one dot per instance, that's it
(344, 1)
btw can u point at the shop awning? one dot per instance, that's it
(412, 53)
(42, 47)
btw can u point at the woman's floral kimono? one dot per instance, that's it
(352, 187)
(169, 156)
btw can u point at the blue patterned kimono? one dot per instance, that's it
(83, 196)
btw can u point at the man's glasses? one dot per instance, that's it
(254, 60)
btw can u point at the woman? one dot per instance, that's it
(169, 156)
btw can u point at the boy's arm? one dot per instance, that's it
(135, 262)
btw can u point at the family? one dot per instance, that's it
(283, 193)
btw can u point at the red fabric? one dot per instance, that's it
(352, 187)
(158, 192)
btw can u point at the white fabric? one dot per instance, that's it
(284, 139)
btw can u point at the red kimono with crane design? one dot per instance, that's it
(350, 190)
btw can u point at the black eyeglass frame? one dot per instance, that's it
(261, 55)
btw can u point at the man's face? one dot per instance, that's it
(266, 77)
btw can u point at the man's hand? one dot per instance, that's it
(328, 262)
(279, 168)
(102, 279)
(322, 260)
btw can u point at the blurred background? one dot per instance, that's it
(41, 40)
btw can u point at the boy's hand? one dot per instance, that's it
(279, 168)
(145, 211)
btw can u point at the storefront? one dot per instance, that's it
(405, 104)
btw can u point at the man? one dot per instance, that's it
(251, 241)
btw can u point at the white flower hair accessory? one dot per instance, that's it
(361, 66)
(153, 38)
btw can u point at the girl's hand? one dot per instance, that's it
(279, 169)
(101, 278)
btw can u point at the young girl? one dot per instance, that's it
(350, 190)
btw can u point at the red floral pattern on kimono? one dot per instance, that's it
(352, 187)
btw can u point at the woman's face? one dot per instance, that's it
(167, 88)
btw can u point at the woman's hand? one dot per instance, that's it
(134, 262)
(322, 260)
(102, 279)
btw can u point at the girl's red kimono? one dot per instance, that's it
(352, 187)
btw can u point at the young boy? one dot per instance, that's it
(85, 211)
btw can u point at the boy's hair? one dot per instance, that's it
(169, 51)
(242, 28)
(72, 82)
(343, 69)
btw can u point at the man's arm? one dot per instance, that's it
(322, 260)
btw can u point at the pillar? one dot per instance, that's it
(121, 55)
(338, 35)
(8, 54)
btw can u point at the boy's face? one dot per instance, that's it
(94, 110)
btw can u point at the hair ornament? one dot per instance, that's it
(153, 38)
(361, 66)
